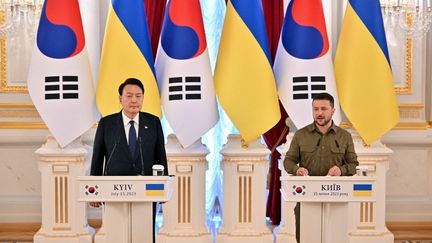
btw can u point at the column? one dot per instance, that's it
(367, 222)
(184, 215)
(285, 232)
(63, 218)
(245, 175)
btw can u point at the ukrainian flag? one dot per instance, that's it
(155, 190)
(244, 79)
(362, 190)
(126, 53)
(363, 73)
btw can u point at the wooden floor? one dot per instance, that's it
(404, 232)
(18, 232)
(411, 232)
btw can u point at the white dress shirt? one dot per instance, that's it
(127, 125)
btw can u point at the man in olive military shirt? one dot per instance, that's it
(321, 148)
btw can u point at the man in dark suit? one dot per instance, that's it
(129, 142)
(125, 155)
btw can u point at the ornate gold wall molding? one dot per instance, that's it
(411, 126)
(411, 106)
(18, 110)
(16, 105)
(23, 125)
(412, 111)
(410, 114)
(407, 86)
(27, 125)
(19, 113)
(5, 87)
(406, 111)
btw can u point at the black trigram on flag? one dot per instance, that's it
(188, 90)
(66, 88)
(302, 88)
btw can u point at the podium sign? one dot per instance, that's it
(124, 188)
(328, 189)
(324, 204)
(128, 209)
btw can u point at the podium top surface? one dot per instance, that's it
(328, 188)
(327, 178)
(124, 188)
(125, 178)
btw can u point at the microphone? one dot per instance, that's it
(141, 156)
(337, 144)
(110, 156)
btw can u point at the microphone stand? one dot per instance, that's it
(109, 158)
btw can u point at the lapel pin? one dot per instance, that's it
(145, 127)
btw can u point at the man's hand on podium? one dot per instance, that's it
(95, 204)
(302, 171)
(334, 171)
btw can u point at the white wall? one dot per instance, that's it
(409, 184)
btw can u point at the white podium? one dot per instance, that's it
(325, 202)
(128, 210)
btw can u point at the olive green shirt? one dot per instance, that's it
(319, 152)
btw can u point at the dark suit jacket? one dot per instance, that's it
(110, 144)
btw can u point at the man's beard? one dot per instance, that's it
(325, 122)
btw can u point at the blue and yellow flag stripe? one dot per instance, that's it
(155, 189)
(126, 53)
(249, 11)
(132, 18)
(362, 190)
(244, 79)
(376, 28)
(363, 73)
(362, 187)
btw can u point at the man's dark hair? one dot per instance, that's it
(324, 96)
(131, 81)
